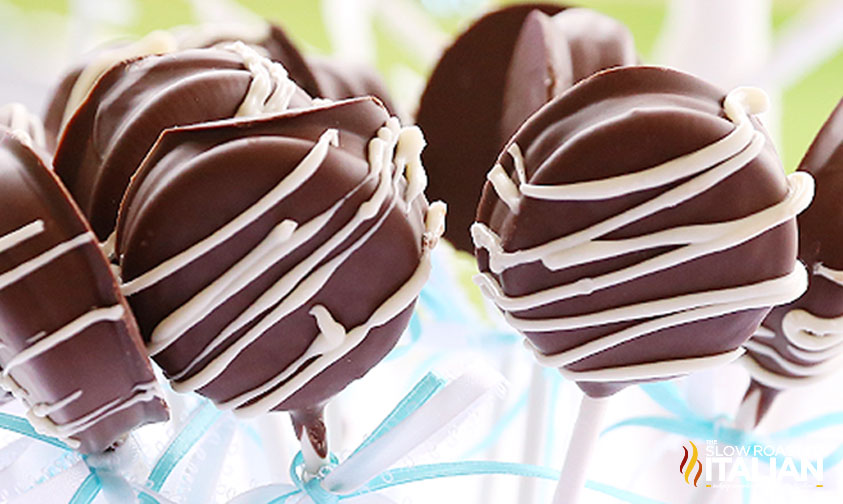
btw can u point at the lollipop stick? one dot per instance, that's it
(747, 416)
(536, 420)
(309, 425)
(313, 460)
(580, 449)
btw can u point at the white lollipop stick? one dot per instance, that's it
(580, 449)
(536, 424)
(312, 461)
(435, 416)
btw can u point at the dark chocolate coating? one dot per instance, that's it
(554, 53)
(656, 115)
(460, 111)
(820, 242)
(105, 360)
(276, 46)
(199, 178)
(487, 83)
(338, 80)
(105, 141)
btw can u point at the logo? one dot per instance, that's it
(687, 466)
(743, 465)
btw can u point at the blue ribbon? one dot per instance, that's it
(91, 486)
(685, 422)
(417, 397)
(189, 435)
(88, 490)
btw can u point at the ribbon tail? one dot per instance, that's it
(87, 491)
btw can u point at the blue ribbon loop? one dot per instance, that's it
(683, 421)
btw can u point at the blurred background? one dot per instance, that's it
(792, 48)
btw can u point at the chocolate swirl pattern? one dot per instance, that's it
(289, 281)
(668, 185)
(59, 304)
(801, 343)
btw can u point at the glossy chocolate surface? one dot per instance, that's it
(185, 192)
(820, 243)
(104, 363)
(275, 45)
(110, 133)
(553, 53)
(648, 115)
(498, 72)
(338, 80)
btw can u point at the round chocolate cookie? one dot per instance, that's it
(268, 39)
(801, 343)
(318, 78)
(640, 227)
(498, 72)
(69, 346)
(110, 133)
(272, 261)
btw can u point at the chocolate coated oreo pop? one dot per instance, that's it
(267, 38)
(107, 138)
(272, 261)
(70, 347)
(317, 77)
(800, 343)
(497, 73)
(639, 227)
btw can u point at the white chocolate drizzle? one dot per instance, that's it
(393, 154)
(271, 88)
(142, 392)
(703, 169)
(45, 409)
(16, 274)
(815, 341)
(156, 42)
(20, 235)
(306, 168)
(38, 412)
(47, 343)
(824, 271)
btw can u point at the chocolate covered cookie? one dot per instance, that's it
(110, 133)
(69, 346)
(495, 75)
(271, 261)
(640, 227)
(800, 343)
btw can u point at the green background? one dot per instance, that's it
(805, 104)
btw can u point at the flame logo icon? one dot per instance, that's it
(687, 466)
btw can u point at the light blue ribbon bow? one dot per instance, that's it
(193, 430)
(418, 396)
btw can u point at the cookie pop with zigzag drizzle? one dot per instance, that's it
(500, 70)
(801, 343)
(69, 346)
(638, 228)
(110, 133)
(272, 261)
